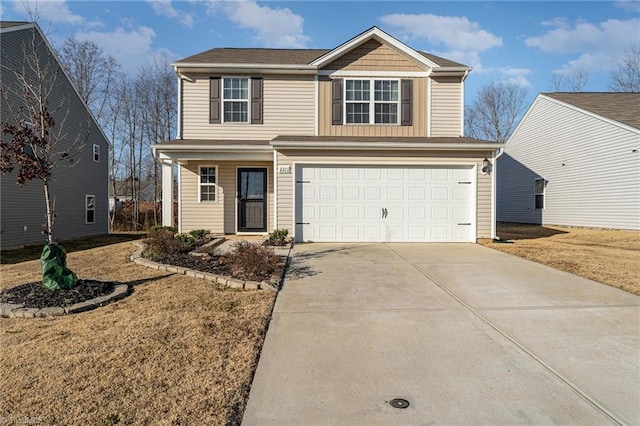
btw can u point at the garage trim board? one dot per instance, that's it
(385, 203)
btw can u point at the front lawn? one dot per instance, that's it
(178, 350)
(611, 257)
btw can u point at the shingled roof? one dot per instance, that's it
(229, 55)
(621, 107)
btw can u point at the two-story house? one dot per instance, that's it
(79, 187)
(363, 142)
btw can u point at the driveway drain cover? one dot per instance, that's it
(399, 403)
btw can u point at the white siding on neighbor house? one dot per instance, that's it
(592, 169)
(288, 109)
(286, 182)
(218, 216)
(446, 106)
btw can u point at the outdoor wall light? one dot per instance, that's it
(486, 166)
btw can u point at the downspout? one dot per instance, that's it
(275, 189)
(493, 194)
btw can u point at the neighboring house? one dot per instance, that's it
(363, 142)
(80, 192)
(574, 160)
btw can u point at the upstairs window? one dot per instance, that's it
(208, 189)
(362, 97)
(538, 190)
(96, 153)
(235, 100)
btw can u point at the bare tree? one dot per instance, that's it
(573, 82)
(34, 114)
(626, 75)
(93, 72)
(494, 113)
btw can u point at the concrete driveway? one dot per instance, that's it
(466, 334)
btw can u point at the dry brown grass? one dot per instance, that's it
(611, 257)
(177, 351)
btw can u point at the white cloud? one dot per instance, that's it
(274, 27)
(453, 37)
(56, 12)
(164, 8)
(132, 48)
(596, 44)
(632, 6)
(514, 76)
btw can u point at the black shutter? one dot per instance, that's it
(336, 102)
(214, 100)
(256, 100)
(406, 103)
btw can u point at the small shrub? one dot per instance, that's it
(162, 242)
(171, 229)
(278, 237)
(199, 234)
(251, 261)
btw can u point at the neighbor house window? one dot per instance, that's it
(90, 209)
(96, 153)
(208, 188)
(538, 189)
(235, 100)
(371, 101)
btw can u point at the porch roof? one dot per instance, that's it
(385, 143)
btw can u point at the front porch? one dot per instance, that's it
(227, 189)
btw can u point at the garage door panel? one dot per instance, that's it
(384, 203)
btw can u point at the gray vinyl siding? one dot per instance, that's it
(591, 169)
(23, 209)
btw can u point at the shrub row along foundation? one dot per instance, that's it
(222, 280)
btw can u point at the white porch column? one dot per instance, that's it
(167, 193)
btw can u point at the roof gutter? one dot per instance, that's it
(342, 145)
(182, 67)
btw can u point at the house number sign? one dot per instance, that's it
(284, 169)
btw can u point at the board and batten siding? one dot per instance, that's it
(373, 55)
(286, 182)
(288, 109)
(23, 208)
(218, 216)
(591, 169)
(419, 114)
(446, 106)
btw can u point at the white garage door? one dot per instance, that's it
(375, 203)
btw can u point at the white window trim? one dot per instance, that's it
(87, 209)
(96, 151)
(372, 101)
(535, 193)
(223, 100)
(200, 184)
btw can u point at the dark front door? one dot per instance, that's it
(252, 200)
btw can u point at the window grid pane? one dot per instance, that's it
(236, 112)
(357, 113)
(236, 88)
(386, 113)
(358, 90)
(386, 90)
(207, 184)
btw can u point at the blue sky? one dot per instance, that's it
(522, 42)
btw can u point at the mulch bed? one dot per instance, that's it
(34, 295)
(210, 264)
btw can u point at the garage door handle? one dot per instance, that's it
(302, 223)
(465, 223)
(384, 213)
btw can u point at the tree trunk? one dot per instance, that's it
(50, 213)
